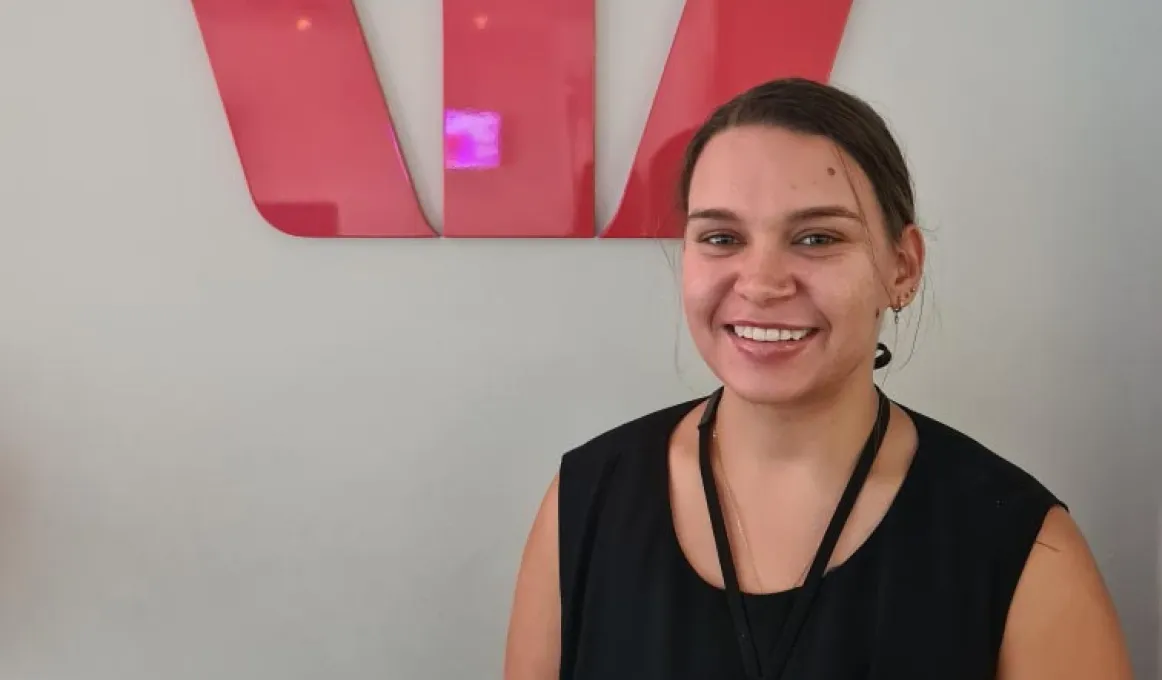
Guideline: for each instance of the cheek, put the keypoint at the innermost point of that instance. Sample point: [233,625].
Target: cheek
[702,289]
[847,295]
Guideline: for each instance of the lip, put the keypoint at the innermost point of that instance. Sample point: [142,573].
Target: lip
[767,324]
[770,352]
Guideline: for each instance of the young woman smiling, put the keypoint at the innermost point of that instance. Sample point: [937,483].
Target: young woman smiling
[797,523]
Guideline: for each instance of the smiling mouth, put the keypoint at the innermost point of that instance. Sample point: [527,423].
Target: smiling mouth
[758,334]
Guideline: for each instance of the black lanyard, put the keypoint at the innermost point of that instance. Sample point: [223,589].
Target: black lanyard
[804,597]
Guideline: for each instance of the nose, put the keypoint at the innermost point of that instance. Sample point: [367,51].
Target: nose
[765,275]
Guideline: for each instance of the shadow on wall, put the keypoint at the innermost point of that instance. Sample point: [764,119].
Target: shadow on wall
[1126,533]
[1129,550]
[1107,422]
[11,519]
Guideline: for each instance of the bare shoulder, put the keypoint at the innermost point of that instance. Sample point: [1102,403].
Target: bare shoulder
[1062,624]
[532,651]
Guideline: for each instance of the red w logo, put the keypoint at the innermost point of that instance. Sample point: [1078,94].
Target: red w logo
[318,147]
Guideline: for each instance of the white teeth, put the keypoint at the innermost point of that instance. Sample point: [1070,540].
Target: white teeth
[770,334]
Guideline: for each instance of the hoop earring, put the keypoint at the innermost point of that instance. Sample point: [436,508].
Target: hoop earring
[899,306]
[883,356]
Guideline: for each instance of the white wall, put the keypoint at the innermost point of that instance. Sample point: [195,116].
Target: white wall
[228,453]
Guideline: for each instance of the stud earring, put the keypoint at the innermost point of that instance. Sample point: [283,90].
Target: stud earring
[899,306]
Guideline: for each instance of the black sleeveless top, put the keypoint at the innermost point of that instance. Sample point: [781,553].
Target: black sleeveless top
[925,596]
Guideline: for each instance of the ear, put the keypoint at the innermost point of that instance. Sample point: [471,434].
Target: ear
[910,253]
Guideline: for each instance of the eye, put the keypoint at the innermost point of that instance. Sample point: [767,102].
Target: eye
[720,239]
[816,240]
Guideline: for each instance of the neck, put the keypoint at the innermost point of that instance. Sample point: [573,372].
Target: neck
[822,435]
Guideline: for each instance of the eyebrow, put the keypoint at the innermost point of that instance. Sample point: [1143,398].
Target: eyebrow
[801,215]
[716,214]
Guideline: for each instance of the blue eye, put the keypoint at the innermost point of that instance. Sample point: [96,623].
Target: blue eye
[720,240]
[817,240]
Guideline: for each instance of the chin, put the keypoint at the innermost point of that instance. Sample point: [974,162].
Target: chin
[769,390]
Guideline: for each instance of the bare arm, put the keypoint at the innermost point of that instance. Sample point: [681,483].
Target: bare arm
[1062,624]
[533,651]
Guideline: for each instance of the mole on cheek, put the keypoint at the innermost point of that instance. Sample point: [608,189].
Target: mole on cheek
[831,171]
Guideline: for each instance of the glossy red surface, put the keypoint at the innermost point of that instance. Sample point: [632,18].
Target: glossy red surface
[722,47]
[309,118]
[530,64]
[319,151]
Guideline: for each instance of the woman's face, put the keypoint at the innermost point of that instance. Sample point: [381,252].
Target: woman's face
[787,266]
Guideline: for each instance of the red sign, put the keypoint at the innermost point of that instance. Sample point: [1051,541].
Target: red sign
[318,147]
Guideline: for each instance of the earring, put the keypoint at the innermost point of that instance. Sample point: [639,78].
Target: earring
[899,306]
[883,356]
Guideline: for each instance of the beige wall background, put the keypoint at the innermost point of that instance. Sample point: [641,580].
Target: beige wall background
[226,453]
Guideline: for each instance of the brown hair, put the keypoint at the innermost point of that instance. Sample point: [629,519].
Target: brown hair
[812,108]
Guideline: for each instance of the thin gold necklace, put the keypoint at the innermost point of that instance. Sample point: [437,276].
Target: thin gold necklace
[741,529]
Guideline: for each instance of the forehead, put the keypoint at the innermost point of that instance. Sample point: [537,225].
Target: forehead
[764,171]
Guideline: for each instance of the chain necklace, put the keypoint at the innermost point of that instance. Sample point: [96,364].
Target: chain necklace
[741,529]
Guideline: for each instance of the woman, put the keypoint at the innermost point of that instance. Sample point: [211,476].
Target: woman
[798,524]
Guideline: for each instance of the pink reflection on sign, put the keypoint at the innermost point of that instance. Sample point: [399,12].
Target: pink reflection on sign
[471,139]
